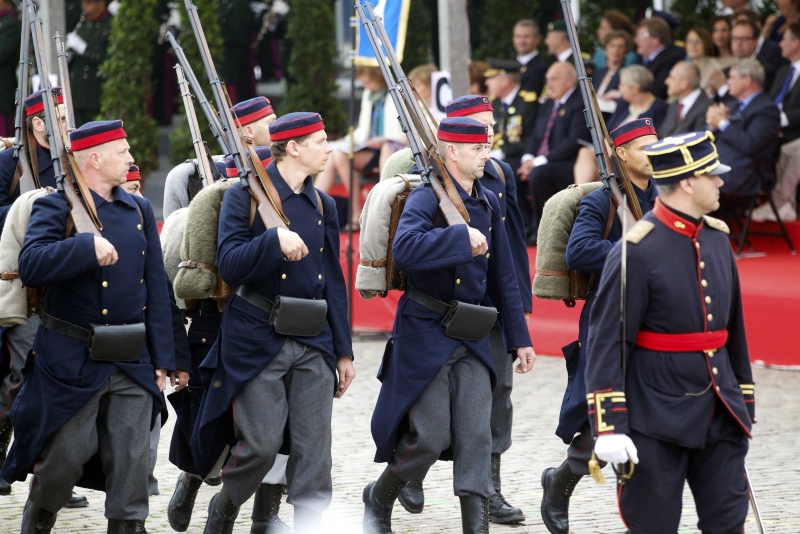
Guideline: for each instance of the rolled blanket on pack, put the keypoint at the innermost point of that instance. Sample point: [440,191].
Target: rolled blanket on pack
[401,162]
[13,296]
[197,272]
[552,274]
[171,241]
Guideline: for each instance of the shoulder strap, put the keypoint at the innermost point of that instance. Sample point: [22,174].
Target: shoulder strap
[33,156]
[499,170]
[15,181]
[612,213]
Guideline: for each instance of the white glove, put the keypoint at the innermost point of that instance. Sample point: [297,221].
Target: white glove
[76,43]
[174,20]
[113,7]
[615,449]
[258,7]
[279,7]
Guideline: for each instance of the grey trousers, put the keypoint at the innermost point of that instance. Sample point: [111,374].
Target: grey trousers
[116,423]
[155,434]
[580,450]
[454,412]
[502,411]
[296,386]
[20,341]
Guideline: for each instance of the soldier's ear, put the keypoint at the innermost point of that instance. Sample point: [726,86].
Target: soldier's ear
[622,153]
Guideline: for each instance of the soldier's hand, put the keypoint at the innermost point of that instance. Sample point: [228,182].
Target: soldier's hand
[477,241]
[292,245]
[616,449]
[179,379]
[161,379]
[526,357]
[525,169]
[76,43]
[105,251]
[347,372]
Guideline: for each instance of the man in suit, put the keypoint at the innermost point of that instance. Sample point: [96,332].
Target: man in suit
[747,132]
[557,41]
[687,113]
[786,95]
[526,39]
[745,45]
[515,112]
[552,149]
[653,43]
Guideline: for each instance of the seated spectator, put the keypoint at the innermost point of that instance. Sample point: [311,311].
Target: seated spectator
[687,112]
[557,41]
[785,93]
[776,25]
[637,99]
[607,89]
[551,151]
[420,78]
[477,81]
[747,131]
[700,50]
[376,137]
[654,44]
[747,42]
[613,21]
[721,28]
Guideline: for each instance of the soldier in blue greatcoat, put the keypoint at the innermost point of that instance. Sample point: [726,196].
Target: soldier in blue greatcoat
[424,368]
[684,408]
[589,242]
[257,379]
[82,419]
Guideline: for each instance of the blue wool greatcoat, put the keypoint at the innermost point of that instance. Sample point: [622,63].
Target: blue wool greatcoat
[252,256]
[438,259]
[8,166]
[59,375]
[586,252]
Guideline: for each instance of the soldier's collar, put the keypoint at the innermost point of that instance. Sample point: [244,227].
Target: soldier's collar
[283,189]
[676,221]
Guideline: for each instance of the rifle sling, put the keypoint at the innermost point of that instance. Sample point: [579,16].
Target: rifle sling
[33,157]
[266,183]
[84,191]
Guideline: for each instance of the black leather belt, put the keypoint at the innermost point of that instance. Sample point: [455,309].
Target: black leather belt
[420,297]
[65,328]
[255,298]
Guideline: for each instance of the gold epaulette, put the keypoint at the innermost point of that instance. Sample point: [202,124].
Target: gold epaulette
[638,231]
[528,96]
[717,224]
[598,406]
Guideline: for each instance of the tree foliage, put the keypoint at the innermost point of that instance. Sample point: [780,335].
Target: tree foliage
[693,13]
[126,72]
[311,84]
[498,19]
[417,50]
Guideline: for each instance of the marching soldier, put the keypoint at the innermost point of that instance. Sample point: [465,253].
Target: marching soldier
[589,242]
[103,350]
[688,375]
[428,366]
[284,337]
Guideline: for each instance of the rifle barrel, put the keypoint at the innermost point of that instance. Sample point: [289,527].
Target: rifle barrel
[66,87]
[27,181]
[203,166]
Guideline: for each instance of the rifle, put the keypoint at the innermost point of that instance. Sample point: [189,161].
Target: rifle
[64,167]
[421,138]
[268,203]
[24,175]
[208,110]
[200,146]
[66,88]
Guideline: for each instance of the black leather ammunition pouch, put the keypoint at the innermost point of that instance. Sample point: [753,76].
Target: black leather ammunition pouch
[290,316]
[116,342]
[461,320]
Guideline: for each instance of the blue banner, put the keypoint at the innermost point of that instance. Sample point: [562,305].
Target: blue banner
[395,20]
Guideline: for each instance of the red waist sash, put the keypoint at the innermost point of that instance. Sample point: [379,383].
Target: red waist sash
[691,342]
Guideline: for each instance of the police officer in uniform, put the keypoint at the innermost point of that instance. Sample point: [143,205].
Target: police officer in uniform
[107,386]
[589,242]
[253,365]
[424,368]
[88,44]
[688,375]
[497,178]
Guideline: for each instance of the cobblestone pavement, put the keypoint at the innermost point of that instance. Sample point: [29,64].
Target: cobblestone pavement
[772,462]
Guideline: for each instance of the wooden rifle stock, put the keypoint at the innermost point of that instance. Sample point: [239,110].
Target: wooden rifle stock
[421,138]
[28,181]
[267,200]
[64,167]
[200,148]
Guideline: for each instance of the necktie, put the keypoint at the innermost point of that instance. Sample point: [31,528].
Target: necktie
[785,87]
[376,126]
[544,146]
[680,112]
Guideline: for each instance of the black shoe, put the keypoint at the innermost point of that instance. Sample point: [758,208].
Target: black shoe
[121,526]
[474,514]
[222,514]
[557,485]
[213,481]
[77,501]
[266,506]
[36,520]
[500,511]
[179,510]
[413,497]
[379,497]
[5,487]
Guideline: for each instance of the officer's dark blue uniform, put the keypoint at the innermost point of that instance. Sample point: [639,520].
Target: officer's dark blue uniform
[687,402]
[60,378]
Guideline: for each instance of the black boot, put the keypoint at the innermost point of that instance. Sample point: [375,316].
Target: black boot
[36,520]
[379,497]
[412,497]
[5,438]
[266,505]
[77,501]
[557,485]
[179,510]
[306,520]
[121,526]
[222,514]
[499,509]
[474,514]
